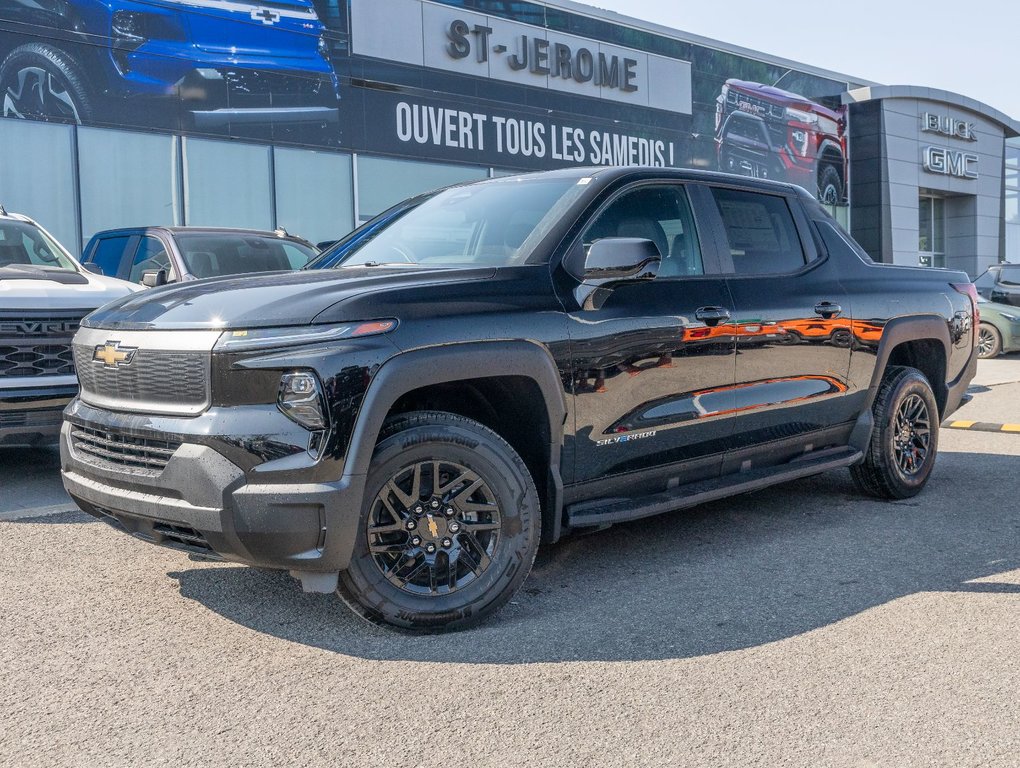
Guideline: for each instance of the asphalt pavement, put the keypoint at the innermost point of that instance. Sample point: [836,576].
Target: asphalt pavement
[800,625]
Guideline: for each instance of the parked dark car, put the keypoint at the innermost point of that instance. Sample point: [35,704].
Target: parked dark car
[505,363]
[1000,283]
[238,67]
[153,256]
[1000,328]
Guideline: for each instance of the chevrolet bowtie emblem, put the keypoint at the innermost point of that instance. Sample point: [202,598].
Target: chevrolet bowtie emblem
[433,528]
[112,355]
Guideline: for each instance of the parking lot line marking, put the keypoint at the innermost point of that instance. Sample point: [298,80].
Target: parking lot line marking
[11,515]
[981,426]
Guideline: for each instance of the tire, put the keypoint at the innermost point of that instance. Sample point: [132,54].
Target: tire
[487,538]
[890,471]
[830,185]
[989,341]
[39,82]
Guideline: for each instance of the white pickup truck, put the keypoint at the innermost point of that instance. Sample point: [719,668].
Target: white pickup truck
[44,294]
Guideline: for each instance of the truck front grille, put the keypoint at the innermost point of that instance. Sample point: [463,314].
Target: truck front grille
[31,419]
[251,88]
[37,344]
[36,360]
[154,380]
[114,450]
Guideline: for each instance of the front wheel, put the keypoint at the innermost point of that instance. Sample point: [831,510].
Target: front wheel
[39,82]
[989,341]
[449,527]
[830,186]
[904,442]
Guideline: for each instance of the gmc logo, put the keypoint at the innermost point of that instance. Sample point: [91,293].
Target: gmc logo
[38,327]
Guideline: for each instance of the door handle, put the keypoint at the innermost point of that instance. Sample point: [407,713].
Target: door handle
[827,309]
[712,316]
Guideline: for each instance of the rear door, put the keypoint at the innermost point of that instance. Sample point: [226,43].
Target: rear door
[793,330]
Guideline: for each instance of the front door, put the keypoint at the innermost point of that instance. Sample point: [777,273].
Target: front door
[654,363]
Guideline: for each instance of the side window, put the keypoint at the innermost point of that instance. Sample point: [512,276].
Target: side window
[1010,276]
[660,213]
[108,254]
[761,231]
[151,254]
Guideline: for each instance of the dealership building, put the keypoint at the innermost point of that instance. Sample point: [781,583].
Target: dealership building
[315,116]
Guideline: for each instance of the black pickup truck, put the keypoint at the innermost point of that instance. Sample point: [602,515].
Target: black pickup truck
[504,363]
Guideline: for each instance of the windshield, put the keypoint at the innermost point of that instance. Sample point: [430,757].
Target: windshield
[492,223]
[22,243]
[213,254]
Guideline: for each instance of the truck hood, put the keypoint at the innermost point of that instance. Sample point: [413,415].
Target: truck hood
[23,288]
[781,97]
[270,299]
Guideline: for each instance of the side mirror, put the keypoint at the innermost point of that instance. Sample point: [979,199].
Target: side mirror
[153,278]
[614,260]
[94,268]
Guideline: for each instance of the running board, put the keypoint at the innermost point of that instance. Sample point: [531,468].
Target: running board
[618,510]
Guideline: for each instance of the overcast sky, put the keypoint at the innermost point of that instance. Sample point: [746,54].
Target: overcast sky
[970,47]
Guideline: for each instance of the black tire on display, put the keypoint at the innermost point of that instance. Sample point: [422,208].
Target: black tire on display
[830,185]
[449,527]
[904,443]
[39,82]
[989,341]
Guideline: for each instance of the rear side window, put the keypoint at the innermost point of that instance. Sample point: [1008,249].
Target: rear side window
[762,235]
[108,254]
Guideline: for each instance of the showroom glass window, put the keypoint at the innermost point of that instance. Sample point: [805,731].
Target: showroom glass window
[931,240]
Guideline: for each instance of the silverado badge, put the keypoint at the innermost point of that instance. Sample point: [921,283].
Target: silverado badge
[113,355]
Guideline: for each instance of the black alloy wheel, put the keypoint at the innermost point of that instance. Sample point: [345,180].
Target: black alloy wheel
[449,529]
[904,441]
[433,528]
[913,434]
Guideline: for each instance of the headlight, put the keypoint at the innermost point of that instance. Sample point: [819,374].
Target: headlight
[129,27]
[301,400]
[259,338]
[801,116]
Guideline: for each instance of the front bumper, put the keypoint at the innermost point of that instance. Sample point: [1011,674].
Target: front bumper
[32,416]
[204,503]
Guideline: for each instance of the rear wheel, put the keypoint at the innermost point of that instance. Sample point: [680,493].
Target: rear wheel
[449,528]
[989,341]
[904,442]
